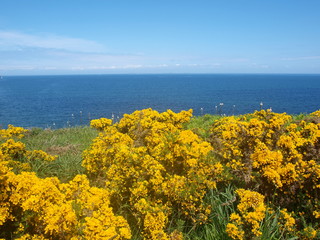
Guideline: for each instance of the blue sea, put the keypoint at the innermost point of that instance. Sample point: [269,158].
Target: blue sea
[62,101]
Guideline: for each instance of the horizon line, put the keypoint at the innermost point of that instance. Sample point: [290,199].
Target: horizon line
[88,74]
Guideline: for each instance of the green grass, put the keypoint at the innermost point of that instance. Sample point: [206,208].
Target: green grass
[222,205]
[201,125]
[67,143]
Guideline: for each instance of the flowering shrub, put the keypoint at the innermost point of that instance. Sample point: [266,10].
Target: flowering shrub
[269,153]
[35,208]
[148,174]
[149,163]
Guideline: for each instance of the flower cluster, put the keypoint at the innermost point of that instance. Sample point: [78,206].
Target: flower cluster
[251,210]
[287,221]
[15,152]
[11,132]
[148,162]
[101,123]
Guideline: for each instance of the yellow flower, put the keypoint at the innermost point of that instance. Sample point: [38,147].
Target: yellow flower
[12,132]
[316,214]
[100,124]
[252,212]
[288,222]
[234,232]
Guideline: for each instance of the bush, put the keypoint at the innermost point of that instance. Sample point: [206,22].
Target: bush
[159,176]
[267,153]
[155,168]
[36,208]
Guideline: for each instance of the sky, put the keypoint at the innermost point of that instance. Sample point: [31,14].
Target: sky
[159,36]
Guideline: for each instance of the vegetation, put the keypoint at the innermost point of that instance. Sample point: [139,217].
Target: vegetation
[164,176]
[66,143]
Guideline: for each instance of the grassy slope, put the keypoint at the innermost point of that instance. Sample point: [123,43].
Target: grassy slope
[67,143]
[201,125]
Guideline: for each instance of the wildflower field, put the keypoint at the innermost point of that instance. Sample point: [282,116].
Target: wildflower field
[164,176]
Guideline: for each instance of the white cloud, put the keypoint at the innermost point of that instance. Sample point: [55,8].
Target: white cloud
[301,58]
[32,53]
[115,67]
[27,52]
[10,40]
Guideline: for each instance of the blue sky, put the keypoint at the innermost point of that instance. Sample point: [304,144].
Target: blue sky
[153,36]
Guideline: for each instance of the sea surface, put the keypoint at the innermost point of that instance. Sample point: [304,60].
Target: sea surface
[69,100]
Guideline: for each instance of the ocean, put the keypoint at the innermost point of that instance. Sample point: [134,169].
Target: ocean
[69,100]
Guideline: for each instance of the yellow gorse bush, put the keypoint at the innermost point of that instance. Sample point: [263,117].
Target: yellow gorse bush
[35,208]
[149,163]
[148,174]
[273,155]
